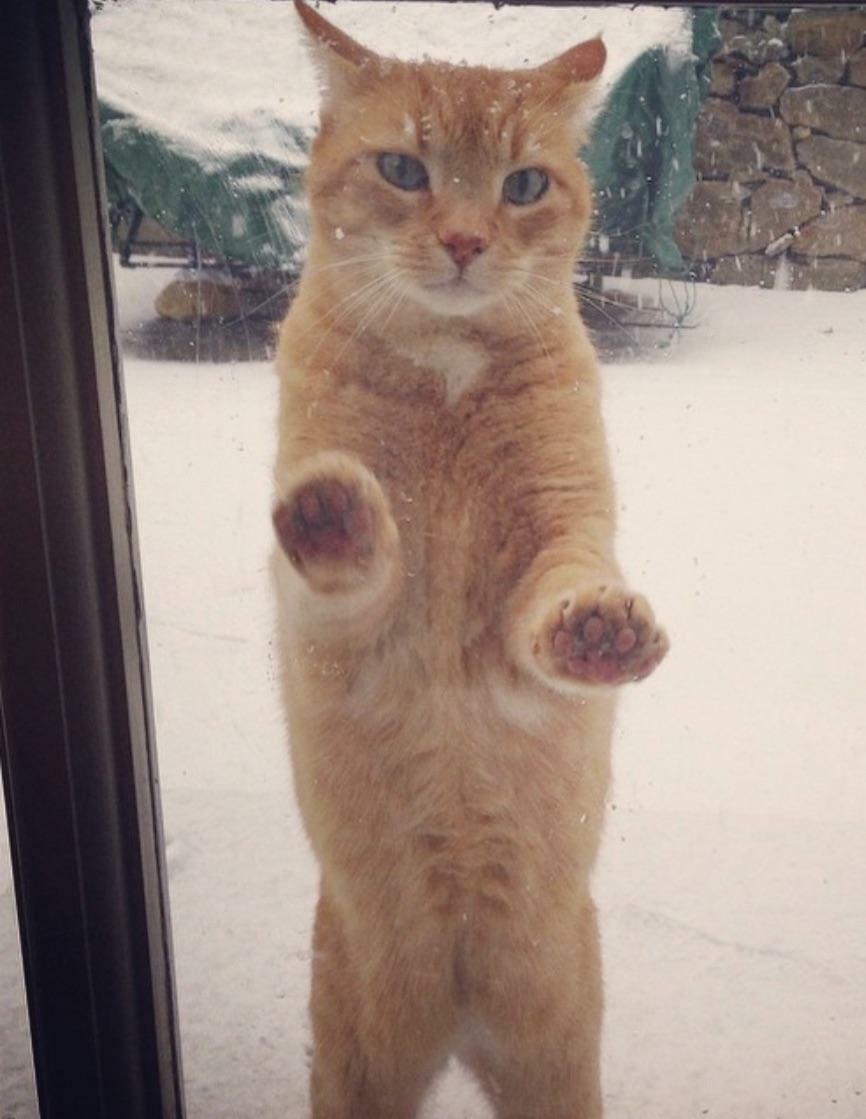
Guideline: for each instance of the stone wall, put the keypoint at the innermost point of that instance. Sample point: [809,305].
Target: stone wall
[780,153]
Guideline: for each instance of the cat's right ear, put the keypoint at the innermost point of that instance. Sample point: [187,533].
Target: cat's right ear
[342,65]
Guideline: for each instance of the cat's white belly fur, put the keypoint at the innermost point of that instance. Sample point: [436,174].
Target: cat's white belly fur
[494,697]
[520,706]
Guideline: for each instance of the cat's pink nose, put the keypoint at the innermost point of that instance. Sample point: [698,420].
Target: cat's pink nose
[463,247]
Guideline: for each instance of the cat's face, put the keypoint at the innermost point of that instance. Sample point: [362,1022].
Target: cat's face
[457,187]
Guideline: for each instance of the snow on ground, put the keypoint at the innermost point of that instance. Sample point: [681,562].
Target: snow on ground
[732,884]
[733,879]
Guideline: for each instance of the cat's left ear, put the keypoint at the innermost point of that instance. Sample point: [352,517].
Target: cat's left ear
[575,72]
[579,64]
[341,63]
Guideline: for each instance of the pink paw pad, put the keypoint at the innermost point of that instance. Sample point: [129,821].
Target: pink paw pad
[609,639]
[325,520]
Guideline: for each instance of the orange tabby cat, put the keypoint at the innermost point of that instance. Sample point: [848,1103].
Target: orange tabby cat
[452,614]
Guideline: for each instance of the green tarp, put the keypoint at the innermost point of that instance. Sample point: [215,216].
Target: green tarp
[640,155]
[248,209]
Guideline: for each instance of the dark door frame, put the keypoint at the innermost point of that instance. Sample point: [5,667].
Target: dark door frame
[76,738]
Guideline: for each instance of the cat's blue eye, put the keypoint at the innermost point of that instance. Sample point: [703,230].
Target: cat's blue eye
[525,186]
[403,171]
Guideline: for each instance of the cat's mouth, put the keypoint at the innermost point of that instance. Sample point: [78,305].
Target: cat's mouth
[453,283]
[458,284]
[455,295]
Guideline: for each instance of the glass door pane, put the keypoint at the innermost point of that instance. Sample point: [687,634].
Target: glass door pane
[730,328]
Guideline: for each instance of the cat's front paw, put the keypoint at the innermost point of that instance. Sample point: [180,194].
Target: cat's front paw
[602,635]
[334,525]
[325,519]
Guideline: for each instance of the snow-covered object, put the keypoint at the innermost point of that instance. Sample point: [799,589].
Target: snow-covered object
[208,107]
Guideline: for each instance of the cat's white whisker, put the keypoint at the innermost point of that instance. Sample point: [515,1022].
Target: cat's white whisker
[284,289]
[516,270]
[597,297]
[599,307]
[398,303]
[527,318]
[378,300]
[541,299]
[344,308]
[594,298]
[371,258]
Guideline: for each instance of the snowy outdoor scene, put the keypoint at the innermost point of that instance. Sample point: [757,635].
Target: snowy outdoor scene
[732,880]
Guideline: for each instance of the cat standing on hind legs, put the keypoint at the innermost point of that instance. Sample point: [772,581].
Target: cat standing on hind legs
[453,621]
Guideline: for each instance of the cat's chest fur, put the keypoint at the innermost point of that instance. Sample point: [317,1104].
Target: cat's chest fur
[458,363]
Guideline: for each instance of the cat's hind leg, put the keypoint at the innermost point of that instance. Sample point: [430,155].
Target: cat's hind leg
[377,1045]
[539,1054]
